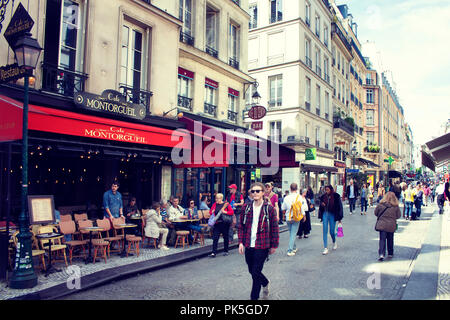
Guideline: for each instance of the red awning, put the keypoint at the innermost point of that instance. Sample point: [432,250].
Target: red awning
[81,125]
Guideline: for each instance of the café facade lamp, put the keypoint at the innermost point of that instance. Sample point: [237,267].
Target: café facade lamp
[26,51]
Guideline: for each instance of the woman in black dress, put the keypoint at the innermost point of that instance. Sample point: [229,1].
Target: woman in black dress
[304,227]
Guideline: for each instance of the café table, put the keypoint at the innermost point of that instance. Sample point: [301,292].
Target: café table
[124,226]
[90,259]
[50,236]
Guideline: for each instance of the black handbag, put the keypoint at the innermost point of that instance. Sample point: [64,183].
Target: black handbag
[227,218]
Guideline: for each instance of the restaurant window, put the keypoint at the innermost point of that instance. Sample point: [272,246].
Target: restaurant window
[179,183]
[192,185]
[275,91]
[205,184]
[63,47]
[276,10]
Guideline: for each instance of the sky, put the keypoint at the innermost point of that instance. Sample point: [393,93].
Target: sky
[411,39]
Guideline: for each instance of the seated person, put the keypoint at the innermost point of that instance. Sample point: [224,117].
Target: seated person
[176,212]
[192,213]
[154,227]
[204,203]
[132,210]
[165,205]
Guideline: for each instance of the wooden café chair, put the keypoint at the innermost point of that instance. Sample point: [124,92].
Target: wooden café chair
[36,252]
[57,246]
[106,225]
[69,228]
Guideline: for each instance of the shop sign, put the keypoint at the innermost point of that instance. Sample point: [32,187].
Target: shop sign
[111,102]
[338,164]
[12,72]
[257,112]
[352,170]
[310,154]
[20,23]
[257,125]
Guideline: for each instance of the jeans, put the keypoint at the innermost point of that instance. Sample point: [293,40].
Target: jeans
[409,208]
[389,238]
[352,202]
[418,206]
[220,228]
[255,259]
[328,219]
[363,205]
[293,228]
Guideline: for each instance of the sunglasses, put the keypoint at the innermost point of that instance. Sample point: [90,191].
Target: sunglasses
[255,191]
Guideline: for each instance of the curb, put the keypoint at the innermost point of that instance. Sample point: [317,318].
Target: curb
[101,277]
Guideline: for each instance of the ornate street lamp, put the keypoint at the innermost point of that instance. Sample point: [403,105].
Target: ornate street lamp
[26,51]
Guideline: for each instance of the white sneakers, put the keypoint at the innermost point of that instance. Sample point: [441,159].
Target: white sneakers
[266,290]
[325,251]
[291,253]
[164,248]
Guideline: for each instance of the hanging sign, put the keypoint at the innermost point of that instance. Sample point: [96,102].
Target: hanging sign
[13,72]
[310,154]
[20,23]
[257,112]
[257,125]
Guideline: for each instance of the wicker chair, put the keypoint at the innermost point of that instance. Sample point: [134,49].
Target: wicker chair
[69,228]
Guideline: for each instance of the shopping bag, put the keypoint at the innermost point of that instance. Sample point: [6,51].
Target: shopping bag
[340,231]
[212,220]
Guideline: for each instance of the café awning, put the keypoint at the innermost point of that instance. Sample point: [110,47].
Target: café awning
[436,151]
[81,125]
[317,168]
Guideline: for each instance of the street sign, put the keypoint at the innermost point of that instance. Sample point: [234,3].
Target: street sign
[257,112]
[310,154]
[20,23]
[257,125]
[12,72]
[352,170]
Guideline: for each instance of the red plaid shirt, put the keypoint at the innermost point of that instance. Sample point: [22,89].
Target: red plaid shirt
[265,238]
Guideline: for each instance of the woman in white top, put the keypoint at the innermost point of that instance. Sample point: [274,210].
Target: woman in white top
[153,225]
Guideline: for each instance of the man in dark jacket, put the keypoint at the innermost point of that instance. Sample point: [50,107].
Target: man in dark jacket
[258,237]
[352,195]
[236,200]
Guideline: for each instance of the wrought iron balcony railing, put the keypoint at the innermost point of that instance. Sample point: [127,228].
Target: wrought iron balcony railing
[318,111]
[308,106]
[339,123]
[318,71]
[308,62]
[211,51]
[185,102]
[232,116]
[62,81]
[187,38]
[210,109]
[136,95]
[234,63]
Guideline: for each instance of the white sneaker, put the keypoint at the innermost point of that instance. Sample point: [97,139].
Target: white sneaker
[295,251]
[325,251]
[291,253]
[164,248]
[335,246]
[266,290]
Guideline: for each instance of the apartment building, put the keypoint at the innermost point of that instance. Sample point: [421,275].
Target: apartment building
[290,57]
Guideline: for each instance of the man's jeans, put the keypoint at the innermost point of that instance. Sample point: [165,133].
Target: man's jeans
[293,228]
[328,219]
[352,202]
[389,238]
[255,259]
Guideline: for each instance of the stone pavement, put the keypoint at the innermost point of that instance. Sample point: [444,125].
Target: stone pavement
[443,290]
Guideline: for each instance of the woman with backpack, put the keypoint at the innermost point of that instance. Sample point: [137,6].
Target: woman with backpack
[330,211]
[387,213]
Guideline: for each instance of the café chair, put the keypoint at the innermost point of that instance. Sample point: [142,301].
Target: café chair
[57,246]
[102,246]
[86,224]
[116,221]
[182,238]
[154,240]
[106,225]
[69,228]
[66,217]
[133,244]
[36,252]
[80,216]
[200,237]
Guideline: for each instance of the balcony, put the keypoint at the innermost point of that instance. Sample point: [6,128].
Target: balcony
[308,22]
[308,62]
[318,111]
[319,71]
[339,123]
[185,102]
[186,38]
[326,77]
[317,143]
[276,17]
[372,148]
[234,63]
[274,103]
[327,146]
[210,109]
[61,81]
[211,51]
[327,116]
[370,82]
[136,95]
[232,116]
[307,140]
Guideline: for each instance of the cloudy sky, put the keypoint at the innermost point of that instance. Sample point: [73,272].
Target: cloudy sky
[411,39]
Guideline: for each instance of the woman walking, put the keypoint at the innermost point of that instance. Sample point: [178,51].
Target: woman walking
[305,226]
[222,226]
[330,211]
[387,213]
[364,198]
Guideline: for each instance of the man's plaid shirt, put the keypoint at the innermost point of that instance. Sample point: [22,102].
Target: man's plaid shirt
[265,238]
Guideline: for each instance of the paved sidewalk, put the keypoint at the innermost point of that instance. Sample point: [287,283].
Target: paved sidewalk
[443,290]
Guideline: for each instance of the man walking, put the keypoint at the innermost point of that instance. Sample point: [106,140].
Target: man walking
[112,202]
[294,198]
[258,237]
[352,193]
[236,201]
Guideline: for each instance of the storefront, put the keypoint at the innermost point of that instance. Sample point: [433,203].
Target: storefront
[75,156]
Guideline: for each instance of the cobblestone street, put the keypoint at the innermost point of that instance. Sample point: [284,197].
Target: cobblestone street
[342,274]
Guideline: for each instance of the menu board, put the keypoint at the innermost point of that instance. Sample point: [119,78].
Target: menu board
[42,209]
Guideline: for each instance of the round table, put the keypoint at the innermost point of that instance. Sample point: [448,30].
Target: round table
[89,259]
[50,236]
[123,226]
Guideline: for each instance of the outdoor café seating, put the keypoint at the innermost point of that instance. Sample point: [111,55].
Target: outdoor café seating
[102,246]
[57,246]
[182,238]
[105,224]
[69,228]
[86,224]
[36,252]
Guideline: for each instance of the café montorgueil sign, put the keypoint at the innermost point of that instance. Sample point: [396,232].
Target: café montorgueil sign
[257,112]
[20,23]
[111,102]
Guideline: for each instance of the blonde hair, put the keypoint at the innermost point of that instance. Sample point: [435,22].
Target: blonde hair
[390,198]
[220,195]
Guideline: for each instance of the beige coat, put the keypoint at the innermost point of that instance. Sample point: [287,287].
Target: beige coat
[388,220]
[152,224]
